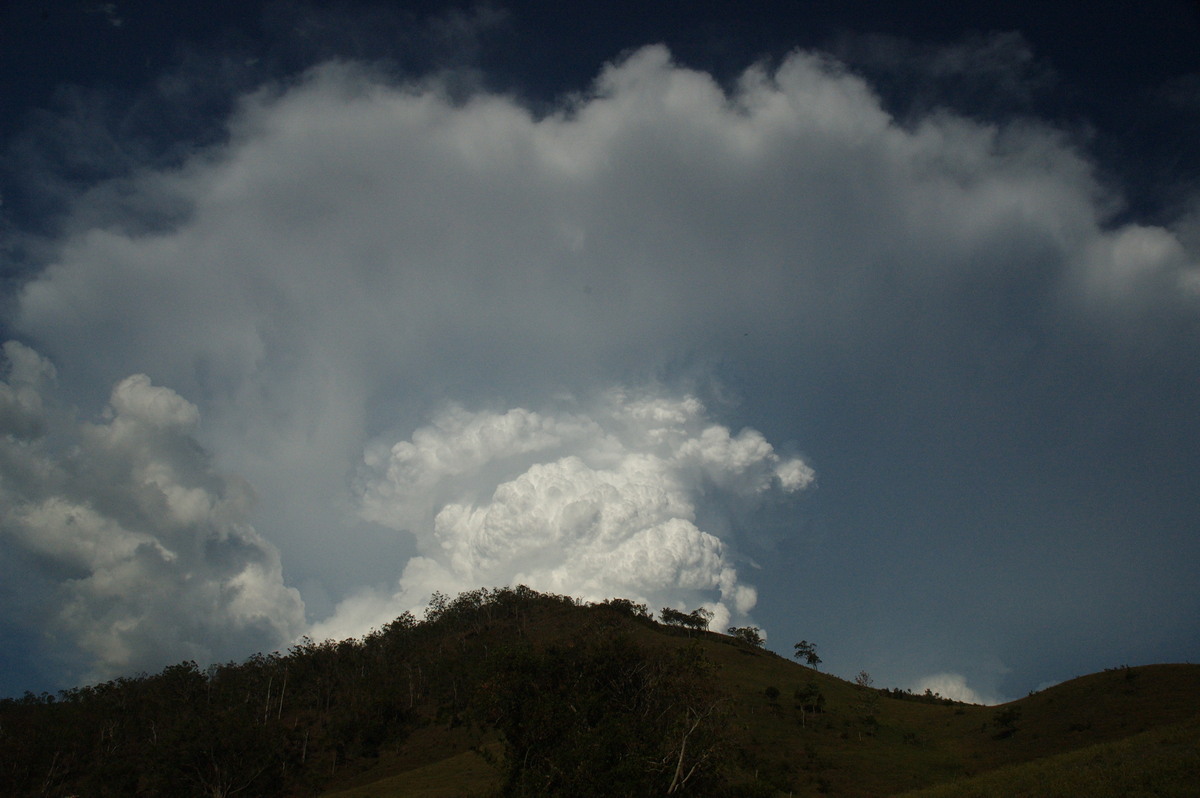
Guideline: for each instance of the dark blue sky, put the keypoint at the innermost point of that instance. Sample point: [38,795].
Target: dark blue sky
[427,296]
[1122,73]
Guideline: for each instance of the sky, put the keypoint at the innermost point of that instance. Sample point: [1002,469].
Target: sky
[875,325]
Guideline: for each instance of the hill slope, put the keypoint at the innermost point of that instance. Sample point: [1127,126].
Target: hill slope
[814,733]
[514,692]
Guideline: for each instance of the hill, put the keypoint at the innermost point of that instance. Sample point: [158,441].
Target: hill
[514,692]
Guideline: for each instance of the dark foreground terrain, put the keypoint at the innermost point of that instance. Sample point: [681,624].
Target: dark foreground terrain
[512,692]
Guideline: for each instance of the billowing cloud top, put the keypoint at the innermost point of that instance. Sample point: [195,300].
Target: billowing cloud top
[597,503]
[352,230]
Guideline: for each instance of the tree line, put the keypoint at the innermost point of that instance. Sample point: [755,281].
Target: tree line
[567,706]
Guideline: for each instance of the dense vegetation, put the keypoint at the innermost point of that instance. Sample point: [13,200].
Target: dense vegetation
[286,724]
[517,693]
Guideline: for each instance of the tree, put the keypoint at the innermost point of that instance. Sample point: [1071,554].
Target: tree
[605,716]
[749,634]
[869,706]
[701,618]
[807,652]
[696,619]
[673,617]
[627,607]
[809,700]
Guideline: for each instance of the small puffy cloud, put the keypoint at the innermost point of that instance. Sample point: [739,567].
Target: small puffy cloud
[139,550]
[596,503]
[1132,268]
[138,403]
[746,458]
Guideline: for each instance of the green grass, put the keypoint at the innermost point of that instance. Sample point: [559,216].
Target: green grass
[1162,763]
[1124,732]
[463,775]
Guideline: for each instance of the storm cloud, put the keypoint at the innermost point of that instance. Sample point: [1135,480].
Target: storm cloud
[391,267]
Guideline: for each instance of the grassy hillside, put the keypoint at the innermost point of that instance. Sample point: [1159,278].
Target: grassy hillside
[1140,721]
[1162,763]
[518,693]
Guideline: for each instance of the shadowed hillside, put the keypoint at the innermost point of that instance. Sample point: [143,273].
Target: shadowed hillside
[514,692]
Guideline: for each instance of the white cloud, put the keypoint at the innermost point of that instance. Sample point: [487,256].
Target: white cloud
[1129,270]
[141,548]
[596,503]
[954,686]
[354,238]
[353,233]
[357,253]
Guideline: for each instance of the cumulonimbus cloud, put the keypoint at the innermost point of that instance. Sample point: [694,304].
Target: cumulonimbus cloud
[358,251]
[596,502]
[140,550]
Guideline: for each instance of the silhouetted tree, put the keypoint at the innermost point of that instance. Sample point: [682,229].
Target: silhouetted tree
[748,634]
[807,653]
[869,704]
[627,607]
[696,620]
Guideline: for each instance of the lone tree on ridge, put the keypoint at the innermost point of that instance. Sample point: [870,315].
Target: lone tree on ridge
[806,652]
